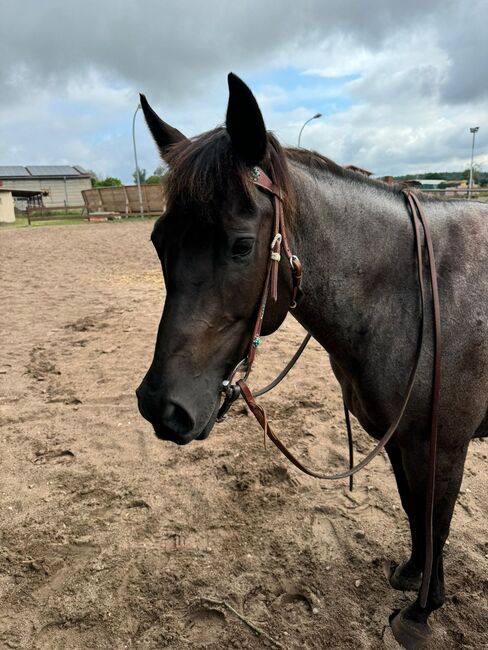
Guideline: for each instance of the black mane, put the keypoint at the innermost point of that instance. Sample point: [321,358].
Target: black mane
[200,172]
[316,161]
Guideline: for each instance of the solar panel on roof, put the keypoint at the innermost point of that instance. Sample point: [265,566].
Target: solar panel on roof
[8,171]
[52,170]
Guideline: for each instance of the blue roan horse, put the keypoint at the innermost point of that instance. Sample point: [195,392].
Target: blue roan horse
[360,300]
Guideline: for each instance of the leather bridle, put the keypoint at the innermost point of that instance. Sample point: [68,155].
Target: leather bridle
[233,391]
[279,240]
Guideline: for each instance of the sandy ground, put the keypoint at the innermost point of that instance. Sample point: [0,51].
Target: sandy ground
[112,539]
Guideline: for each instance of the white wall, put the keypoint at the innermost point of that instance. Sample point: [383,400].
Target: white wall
[7,212]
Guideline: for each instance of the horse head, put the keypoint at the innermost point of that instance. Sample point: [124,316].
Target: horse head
[213,243]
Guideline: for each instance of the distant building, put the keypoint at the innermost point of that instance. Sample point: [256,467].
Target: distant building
[7,212]
[461,183]
[27,198]
[60,185]
[428,183]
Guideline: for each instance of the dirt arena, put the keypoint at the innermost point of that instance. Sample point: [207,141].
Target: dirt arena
[112,539]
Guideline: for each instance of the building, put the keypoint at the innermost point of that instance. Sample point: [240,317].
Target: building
[428,183]
[60,185]
[27,198]
[7,212]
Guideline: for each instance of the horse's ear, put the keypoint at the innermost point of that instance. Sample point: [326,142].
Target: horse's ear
[164,135]
[245,123]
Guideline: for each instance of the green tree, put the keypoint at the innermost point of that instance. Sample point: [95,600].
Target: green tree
[476,174]
[479,175]
[93,177]
[153,180]
[142,175]
[160,170]
[109,181]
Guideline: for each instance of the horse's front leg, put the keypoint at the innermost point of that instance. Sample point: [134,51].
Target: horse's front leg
[408,575]
[410,625]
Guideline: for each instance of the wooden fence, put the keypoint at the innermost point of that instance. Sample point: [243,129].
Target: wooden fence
[52,214]
[124,200]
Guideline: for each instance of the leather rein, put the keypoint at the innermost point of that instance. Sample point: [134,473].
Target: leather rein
[233,391]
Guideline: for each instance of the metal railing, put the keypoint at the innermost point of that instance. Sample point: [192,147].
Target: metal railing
[459,192]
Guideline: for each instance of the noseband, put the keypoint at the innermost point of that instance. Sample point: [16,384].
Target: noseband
[233,391]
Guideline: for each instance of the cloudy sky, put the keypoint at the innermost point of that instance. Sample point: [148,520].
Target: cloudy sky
[398,84]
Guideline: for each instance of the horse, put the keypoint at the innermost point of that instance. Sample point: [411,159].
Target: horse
[359,299]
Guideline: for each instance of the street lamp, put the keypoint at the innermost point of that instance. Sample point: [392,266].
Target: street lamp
[315,117]
[141,206]
[474,130]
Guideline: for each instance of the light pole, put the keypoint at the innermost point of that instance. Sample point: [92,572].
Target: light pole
[141,206]
[474,130]
[315,117]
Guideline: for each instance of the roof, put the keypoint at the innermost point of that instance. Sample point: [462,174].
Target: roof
[23,194]
[7,171]
[42,171]
[429,181]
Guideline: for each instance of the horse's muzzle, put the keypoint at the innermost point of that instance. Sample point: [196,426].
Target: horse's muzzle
[162,433]
[170,420]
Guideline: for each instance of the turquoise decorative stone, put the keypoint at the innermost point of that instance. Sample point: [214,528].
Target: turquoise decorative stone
[256,342]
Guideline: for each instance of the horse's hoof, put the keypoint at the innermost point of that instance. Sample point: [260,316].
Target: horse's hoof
[398,580]
[409,634]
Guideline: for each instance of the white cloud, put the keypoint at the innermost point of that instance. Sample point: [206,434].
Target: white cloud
[70,76]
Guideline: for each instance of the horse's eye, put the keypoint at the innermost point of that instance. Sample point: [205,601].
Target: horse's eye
[242,246]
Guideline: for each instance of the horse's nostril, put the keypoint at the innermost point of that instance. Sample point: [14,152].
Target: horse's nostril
[176,418]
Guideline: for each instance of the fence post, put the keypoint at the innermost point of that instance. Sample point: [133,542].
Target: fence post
[126,202]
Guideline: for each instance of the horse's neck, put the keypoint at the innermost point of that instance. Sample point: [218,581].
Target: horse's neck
[355,243]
